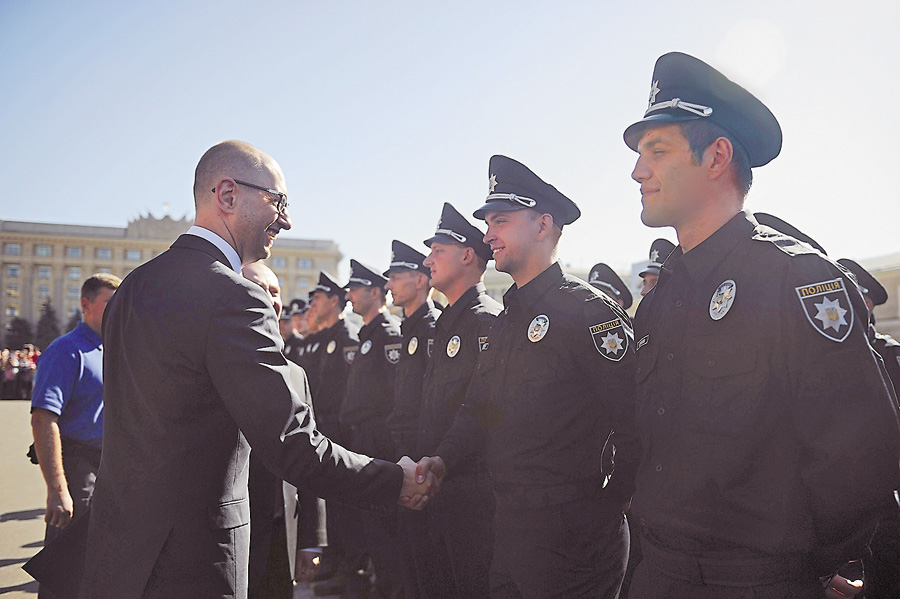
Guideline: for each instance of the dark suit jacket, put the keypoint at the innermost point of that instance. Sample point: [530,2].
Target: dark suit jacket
[194,371]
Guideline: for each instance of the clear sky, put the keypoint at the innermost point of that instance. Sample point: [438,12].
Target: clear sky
[381,111]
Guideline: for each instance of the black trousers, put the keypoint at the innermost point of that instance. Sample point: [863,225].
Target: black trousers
[80,466]
[577,549]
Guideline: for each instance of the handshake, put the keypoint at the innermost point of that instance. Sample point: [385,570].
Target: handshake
[420,481]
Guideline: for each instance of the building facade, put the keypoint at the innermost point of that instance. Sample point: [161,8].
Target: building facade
[47,262]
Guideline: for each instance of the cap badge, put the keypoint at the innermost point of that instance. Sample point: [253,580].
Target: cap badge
[453,346]
[332,345]
[366,346]
[413,346]
[722,300]
[492,183]
[653,91]
[538,328]
[824,305]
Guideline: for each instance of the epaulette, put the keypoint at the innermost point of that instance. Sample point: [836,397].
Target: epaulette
[786,244]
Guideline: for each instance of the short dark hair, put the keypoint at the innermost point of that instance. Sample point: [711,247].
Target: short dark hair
[101,280]
[701,134]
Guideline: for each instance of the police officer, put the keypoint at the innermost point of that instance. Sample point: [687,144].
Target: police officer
[605,279]
[460,519]
[553,378]
[409,282]
[659,251]
[770,440]
[368,400]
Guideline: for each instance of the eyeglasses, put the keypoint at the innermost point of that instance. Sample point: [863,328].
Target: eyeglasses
[282,203]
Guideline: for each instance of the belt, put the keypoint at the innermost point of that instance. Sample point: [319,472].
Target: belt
[515,497]
[728,571]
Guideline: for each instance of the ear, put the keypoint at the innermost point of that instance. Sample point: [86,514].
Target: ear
[717,158]
[225,195]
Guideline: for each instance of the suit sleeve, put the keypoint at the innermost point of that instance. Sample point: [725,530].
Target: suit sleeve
[250,373]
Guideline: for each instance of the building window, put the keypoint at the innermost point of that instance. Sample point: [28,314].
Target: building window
[104,253]
[74,273]
[133,255]
[74,292]
[278,262]
[12,311]
[43,291]
[12,249]
[12,289]
[12,270]
[43,251]
[303,285]
[43,272]
[304,263]
[74,251]
[104,270]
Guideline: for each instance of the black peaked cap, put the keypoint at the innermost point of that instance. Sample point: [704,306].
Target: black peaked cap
[685,88]
[454,228]
[513,186]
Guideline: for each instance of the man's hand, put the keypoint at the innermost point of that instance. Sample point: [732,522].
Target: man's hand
[417,488]
[841,588]
[307,565]
[59,508]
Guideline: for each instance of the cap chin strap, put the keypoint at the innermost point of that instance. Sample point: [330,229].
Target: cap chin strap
[366,282]
[453,234]
[527,202]
[680,104]
[409,265]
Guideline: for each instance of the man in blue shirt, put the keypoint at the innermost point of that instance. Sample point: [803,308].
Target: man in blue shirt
[67,409]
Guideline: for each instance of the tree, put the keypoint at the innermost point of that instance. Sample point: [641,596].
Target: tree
[47,327]
[18,333]
[73,321]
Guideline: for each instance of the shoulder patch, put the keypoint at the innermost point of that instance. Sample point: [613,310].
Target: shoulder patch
[392,352]
[827,308]
[350,353]
[610,339]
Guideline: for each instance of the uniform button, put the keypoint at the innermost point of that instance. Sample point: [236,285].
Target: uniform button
[678,304]
[670,357]
[661,411]
[659,467]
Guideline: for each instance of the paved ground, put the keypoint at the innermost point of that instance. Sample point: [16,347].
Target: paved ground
[22,501]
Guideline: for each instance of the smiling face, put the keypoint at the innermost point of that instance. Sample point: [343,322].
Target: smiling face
[672,181]
[512,234]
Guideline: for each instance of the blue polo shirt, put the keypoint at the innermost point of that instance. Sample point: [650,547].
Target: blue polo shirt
[69,383]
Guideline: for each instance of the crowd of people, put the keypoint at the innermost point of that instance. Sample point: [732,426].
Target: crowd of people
[17,368]
[742,420]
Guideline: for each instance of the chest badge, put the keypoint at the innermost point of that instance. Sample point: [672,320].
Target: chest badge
[827,306]
[366,346]
[332,345]
[453,346]
[413,346]
[538,328]
[722,300]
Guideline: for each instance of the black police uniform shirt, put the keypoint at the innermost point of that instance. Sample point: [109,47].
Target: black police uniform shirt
[762,411]
[553,379]
[329,356]
[460,333]
[418,338]
[369,396]
[292,347]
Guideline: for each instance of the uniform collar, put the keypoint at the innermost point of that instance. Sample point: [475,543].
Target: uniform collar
[528,295]
[701,260]
[451,313]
